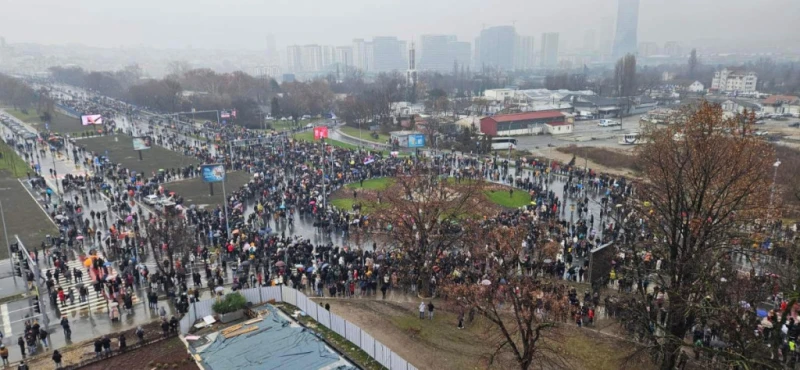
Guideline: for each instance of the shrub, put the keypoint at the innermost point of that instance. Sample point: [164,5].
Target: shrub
[230,303]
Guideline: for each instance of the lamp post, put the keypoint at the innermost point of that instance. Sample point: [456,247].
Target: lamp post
[772,188]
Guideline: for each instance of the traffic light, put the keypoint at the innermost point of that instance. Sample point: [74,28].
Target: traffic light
[17,269]
[36,306]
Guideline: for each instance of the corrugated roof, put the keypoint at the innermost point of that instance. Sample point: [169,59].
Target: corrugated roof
[526,116]
[775,99]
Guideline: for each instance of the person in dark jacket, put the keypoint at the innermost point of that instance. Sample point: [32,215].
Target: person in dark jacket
[123,343]
[21,343]
[57,359]
[67,330]
[98,347]
[106,346]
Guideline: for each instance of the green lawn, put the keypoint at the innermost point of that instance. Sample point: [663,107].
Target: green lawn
[60,123]
[346,203]
[30,117]
[364,134]
[501,197]
[12,162]
[309,136]
[373,184]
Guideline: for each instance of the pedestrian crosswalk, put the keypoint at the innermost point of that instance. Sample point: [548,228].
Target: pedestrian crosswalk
[94,302]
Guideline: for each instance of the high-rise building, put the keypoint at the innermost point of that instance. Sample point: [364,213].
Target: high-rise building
[294,58]
[434,53]
[369,57]
[524,53]
[549,57]
[734,80]
[312,58]
[440,52]
[627,25]
[673,49]
[359,54]
[344,55]
[328,56]
[497,47]
[648,49]
[386,54]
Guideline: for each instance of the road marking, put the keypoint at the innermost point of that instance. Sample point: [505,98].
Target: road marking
[6,320]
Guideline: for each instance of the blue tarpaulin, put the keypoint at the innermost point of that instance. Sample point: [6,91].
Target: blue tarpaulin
[276,344]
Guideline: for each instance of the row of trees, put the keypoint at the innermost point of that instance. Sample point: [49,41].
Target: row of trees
[208,90]
[16,92]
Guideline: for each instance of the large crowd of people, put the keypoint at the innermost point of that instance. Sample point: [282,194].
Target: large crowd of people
[251,235]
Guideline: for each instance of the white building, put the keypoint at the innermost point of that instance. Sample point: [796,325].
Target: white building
[498,94]
[558,128]
[696,87]
[734,80]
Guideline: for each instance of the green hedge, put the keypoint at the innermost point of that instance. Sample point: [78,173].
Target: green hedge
[230,303]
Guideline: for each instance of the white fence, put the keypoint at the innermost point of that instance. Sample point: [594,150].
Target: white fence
[352,332]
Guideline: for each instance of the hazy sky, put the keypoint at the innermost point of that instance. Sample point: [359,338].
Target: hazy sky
[245,23]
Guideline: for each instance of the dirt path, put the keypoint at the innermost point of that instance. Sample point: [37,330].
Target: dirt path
[439,345]
[426,344]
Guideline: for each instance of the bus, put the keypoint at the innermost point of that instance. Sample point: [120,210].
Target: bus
[502,142]
[632,138]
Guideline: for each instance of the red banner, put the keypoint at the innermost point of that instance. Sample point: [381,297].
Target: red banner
[320,132]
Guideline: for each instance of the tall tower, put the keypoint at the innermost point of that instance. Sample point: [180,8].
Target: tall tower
[411,74]
[625,41]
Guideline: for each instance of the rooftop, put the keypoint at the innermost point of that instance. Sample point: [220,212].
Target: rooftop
[777,99]
[526,116]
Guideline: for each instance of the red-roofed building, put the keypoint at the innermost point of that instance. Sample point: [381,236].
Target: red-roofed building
[782,104]
[527,123]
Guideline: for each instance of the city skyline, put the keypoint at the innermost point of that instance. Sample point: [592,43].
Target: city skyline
[246,25]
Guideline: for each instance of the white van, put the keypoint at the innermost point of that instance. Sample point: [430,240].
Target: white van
[609,123]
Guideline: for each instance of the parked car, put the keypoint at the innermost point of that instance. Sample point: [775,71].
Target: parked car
[609,123]
[151,199]
[795,124]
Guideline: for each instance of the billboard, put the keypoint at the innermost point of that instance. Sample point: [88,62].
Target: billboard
[416,141]
[320,132]
[142,143]
[213,172]
[91,119]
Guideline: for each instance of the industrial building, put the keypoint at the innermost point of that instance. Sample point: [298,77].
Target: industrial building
[528,123]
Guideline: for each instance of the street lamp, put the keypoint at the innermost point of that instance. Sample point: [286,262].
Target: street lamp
[772,189]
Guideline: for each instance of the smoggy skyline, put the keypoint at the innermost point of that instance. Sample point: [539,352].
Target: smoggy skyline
[244,24]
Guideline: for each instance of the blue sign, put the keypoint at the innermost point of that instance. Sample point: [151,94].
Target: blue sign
[213,172]
[416,141]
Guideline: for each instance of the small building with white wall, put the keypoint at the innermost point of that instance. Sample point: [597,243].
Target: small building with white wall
[696,87]
[559,128]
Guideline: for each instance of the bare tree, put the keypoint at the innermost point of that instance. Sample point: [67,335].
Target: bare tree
[521,307]
[703,188]
[424,216]
[170,237]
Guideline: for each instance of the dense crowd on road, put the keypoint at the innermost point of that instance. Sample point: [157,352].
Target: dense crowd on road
[251,234]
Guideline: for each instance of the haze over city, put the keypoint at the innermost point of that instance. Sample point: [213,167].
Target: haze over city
[243,24]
